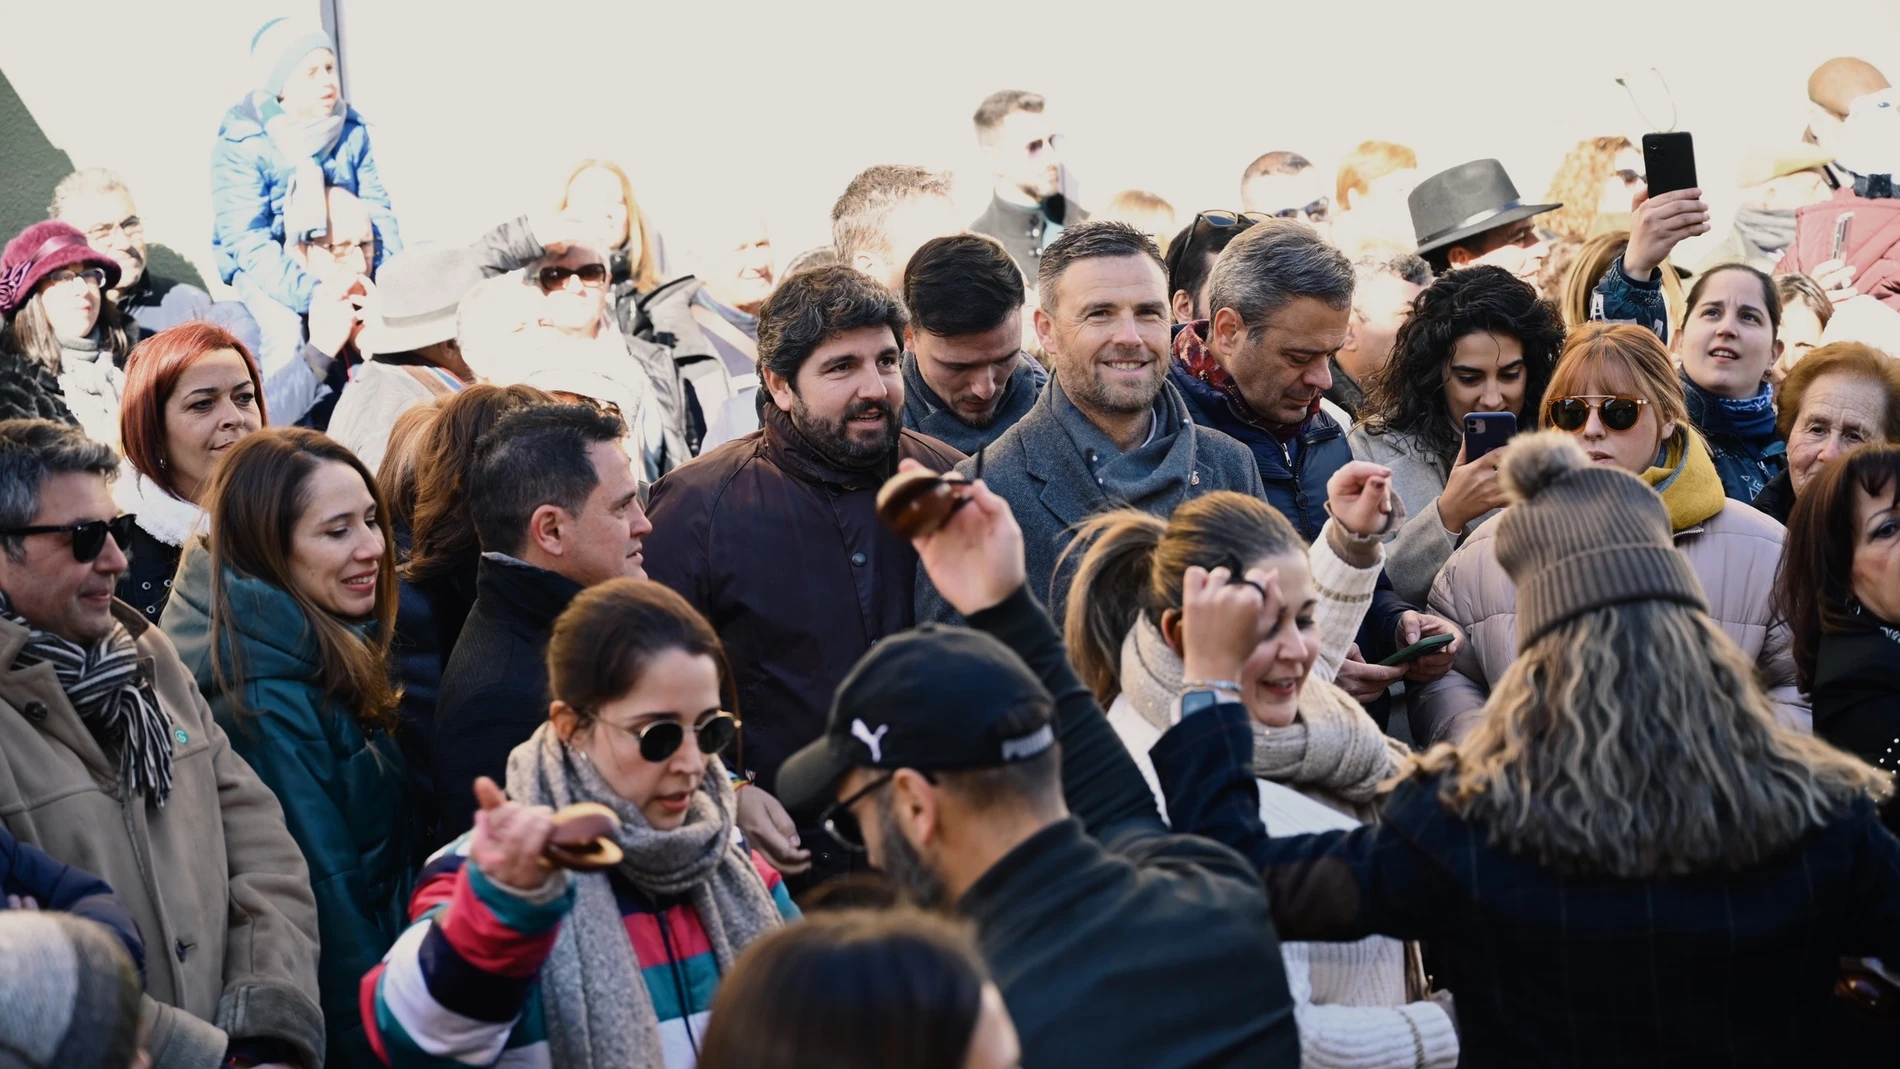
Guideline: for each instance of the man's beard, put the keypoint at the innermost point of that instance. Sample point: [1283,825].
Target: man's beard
[981,422]
[1087,385]
[833,438]
[903,866]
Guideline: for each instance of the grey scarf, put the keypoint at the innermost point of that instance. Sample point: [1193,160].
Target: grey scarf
[1764,233]
[304,142]
[113,699]
[1153,477]
[1332,752]
[599,1012]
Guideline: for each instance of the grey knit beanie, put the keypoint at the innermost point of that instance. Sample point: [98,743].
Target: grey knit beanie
[68,996]
[1579,536]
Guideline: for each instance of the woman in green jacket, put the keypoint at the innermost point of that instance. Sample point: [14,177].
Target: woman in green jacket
[295,581]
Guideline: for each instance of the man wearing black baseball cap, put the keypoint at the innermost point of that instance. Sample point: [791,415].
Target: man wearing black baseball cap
[980,775]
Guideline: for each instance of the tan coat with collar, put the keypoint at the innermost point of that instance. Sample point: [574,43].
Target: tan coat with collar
[218,888]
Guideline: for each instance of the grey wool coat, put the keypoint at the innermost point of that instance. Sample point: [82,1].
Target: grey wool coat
[1056,469]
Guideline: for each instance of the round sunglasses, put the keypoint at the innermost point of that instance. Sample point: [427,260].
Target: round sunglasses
[663,738]
[89,538]
[1619,413]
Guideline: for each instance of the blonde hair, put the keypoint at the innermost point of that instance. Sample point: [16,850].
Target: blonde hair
[1370,161]
[1592,262]
[1147,212]
[646,272]
[1578,186]
[1594,767]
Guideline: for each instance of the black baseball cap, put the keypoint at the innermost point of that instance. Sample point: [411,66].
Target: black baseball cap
[935,699]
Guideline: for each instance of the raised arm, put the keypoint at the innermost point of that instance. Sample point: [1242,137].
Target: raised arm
[976,564]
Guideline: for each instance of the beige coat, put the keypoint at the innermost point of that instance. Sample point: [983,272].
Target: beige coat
[214,880]
[1735,553]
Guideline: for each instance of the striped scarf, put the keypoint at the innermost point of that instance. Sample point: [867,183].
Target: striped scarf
[112,697]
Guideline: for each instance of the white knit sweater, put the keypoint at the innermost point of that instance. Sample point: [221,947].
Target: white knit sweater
[1349,998]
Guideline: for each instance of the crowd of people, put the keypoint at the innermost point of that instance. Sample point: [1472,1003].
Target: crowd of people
[1389,624]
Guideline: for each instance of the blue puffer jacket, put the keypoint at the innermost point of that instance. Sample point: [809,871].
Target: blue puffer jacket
[249,178]
[344,788]
[1298,491]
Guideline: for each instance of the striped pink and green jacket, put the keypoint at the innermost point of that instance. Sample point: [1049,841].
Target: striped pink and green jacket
[459,987]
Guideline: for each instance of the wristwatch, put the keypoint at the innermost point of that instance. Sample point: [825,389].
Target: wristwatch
[1198,695]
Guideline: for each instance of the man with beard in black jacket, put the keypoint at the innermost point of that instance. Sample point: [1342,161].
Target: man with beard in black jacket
[980,775]
[774,536]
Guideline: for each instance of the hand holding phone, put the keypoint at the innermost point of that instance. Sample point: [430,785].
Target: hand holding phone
[1841,224]
[1418,649]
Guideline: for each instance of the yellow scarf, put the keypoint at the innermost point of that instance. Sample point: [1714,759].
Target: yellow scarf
[1687,480]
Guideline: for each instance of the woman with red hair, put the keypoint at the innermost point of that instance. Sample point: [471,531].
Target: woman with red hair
[191,393]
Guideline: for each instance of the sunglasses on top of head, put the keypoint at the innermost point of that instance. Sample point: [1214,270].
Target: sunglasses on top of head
[1619,413]
[89,538]
[553,278]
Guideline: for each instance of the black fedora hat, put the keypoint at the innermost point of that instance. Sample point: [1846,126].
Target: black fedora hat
[1471,198]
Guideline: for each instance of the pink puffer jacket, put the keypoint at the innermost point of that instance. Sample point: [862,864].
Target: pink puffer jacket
[1735,553]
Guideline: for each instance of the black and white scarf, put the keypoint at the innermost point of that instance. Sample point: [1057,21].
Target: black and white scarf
[112,697]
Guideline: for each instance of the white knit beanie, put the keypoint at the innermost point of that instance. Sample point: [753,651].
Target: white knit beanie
[278,46]
[68,996]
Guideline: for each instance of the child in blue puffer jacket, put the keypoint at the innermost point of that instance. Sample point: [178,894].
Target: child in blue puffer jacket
[277,152]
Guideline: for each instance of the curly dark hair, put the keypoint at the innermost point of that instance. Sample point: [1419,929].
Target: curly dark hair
[819,304]
[1407,396]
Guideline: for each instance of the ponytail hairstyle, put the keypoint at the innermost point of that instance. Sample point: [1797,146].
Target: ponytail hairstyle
[1133,563]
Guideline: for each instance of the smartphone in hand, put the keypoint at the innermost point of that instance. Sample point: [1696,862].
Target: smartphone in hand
[1669,162]
[1428,644]
[1841,223]
[1485,431]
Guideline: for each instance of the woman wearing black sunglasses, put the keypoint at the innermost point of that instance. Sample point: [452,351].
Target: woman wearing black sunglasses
[1617,392]
[641,693]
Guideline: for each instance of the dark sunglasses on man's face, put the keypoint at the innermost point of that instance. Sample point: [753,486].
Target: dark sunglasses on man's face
[553,278]
[1619,413]
[89,538]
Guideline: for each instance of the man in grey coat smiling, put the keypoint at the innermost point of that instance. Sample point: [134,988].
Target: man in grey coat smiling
[1109,430]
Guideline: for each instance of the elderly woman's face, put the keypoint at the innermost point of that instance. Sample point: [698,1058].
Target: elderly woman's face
[1837,413]
[1876,578]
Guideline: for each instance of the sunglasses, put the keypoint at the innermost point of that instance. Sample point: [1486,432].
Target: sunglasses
[553,278]
[1041,143]
[89,538]
[663,738]
[839,822]
[1316,211]
[1571,413]
[1209,222]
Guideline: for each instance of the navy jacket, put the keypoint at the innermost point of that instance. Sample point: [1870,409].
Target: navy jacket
[25,869]
[1718,969]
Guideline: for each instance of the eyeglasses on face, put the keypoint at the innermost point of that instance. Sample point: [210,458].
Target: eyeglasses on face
[89,538]
[92,276]
[553,278]
[842,824]
[1315,212]
[130,226]
[1050,142]
[1619,413]
[662,738]
[342,249]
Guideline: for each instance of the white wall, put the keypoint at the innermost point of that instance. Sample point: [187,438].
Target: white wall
[479,107]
